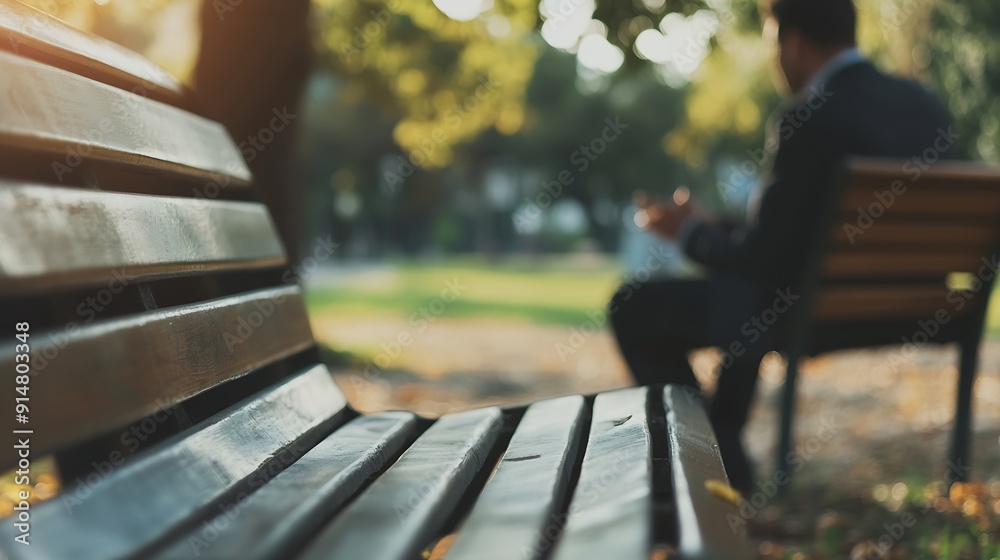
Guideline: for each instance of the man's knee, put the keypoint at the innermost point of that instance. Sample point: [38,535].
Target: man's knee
[620,308]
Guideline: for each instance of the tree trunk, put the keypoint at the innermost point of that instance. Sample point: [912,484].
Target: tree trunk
[253,65]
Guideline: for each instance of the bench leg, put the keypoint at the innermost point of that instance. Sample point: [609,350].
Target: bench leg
[960,457]
[787,416]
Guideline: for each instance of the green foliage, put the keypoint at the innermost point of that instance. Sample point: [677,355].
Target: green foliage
[559,292]
[962,58]
[445,81]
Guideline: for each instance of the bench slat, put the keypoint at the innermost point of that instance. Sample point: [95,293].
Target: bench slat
[77,238]
[611,516]
[888,170]
[887,233]
[926,199]
[279,517]
[515,515]
[113,372]
[29,32]
[129,509]
[401,512]
[55,112]
[878,302]
[856,265]
[703,519]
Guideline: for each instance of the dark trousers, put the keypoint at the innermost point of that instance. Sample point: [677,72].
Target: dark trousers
[657,323]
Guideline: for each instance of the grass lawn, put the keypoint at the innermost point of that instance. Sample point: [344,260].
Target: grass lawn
[548,290]
[561,292]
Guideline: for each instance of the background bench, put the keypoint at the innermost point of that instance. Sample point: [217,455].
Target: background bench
[176,380]
[877,281]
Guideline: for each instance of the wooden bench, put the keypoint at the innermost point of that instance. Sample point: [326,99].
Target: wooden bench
[175,379]
[906,254]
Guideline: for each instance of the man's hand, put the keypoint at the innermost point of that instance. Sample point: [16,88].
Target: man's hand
[663,219]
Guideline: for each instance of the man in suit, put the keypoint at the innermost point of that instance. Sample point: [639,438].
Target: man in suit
[841,105]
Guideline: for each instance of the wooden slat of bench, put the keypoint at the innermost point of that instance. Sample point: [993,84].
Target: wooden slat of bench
[137,504]
[78,238]
[610,515]
[925,199]
[113,372]
[881,302]
[703,518]
[887,170]
[52,111]
[936,265]
[29,32]
[516,516]
[279,517]
[399,514]
[887,233]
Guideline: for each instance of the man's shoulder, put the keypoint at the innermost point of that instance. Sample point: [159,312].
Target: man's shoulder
[860,102]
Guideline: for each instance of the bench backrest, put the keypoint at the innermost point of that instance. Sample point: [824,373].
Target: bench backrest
[154,288]
[901,236]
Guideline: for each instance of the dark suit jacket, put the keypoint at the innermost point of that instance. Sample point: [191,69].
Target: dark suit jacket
[860,112]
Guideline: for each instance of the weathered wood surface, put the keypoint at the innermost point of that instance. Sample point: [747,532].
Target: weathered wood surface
[104,375]
[880,302]
[518,513]
[281,516]
[610,515]
[844,265]
[74,119]
[32,33]
[968,173]
[61,237]
[703,518]
[122,512]
[399,514]
[925,199]
[884,234]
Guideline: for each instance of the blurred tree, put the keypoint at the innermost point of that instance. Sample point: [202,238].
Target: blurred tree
[445,80]
[469,86]
[252,65]
[961,55]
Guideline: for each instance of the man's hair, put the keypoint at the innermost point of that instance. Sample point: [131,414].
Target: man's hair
[827,23]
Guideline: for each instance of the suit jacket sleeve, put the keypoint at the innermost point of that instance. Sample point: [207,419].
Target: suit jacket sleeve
[772,245]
